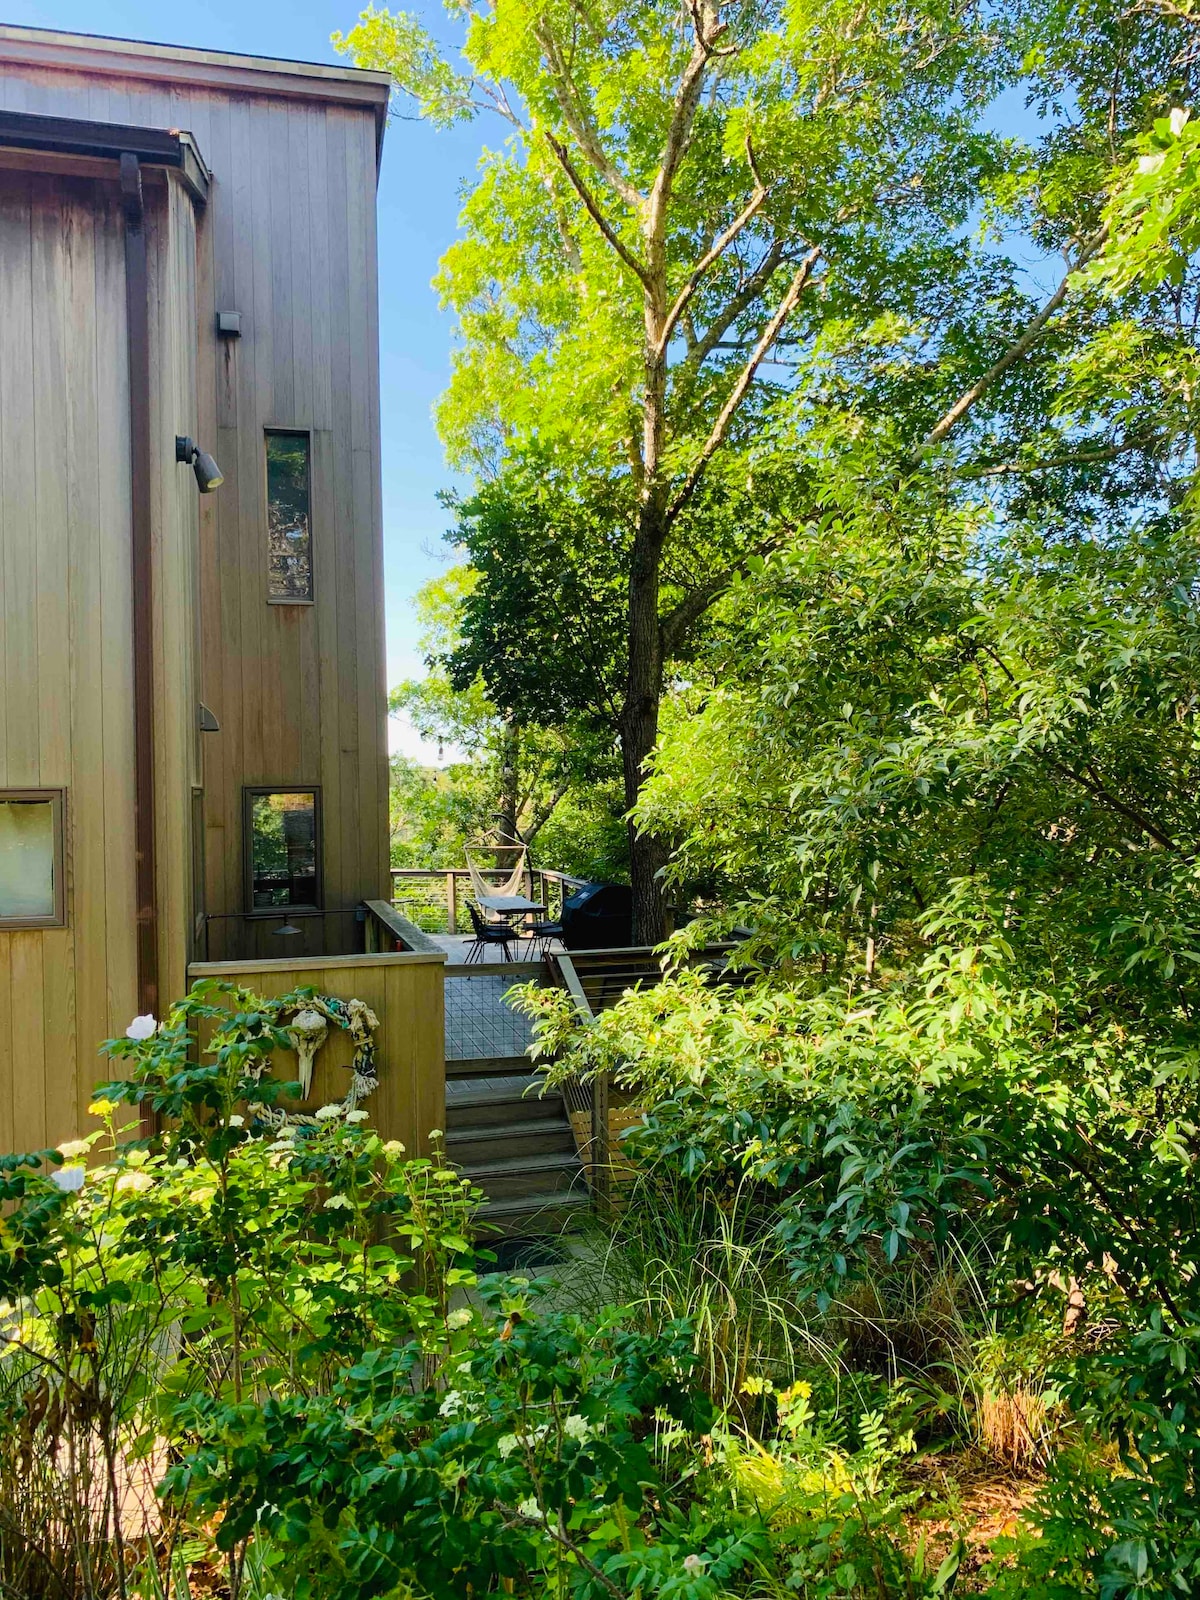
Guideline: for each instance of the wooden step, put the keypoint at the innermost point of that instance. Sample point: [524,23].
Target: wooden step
[477,1106]
[534,1215]
[488,1067]
[526,1175]
[501,1141]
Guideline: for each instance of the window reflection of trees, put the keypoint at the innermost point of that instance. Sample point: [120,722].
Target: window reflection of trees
[289,534]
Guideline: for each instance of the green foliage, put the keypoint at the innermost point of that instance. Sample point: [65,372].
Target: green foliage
[519,764]
[213,1261]
[526,1451]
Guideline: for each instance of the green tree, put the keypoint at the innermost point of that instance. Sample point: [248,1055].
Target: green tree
[688,206]
[516,770]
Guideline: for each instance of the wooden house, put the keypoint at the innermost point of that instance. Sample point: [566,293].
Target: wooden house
[193,760]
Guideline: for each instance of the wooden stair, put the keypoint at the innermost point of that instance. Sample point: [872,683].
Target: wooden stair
[517,1145]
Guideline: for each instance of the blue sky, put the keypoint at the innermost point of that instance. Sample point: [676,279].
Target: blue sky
[420,185]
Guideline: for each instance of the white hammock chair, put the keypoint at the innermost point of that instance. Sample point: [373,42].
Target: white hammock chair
[482,887]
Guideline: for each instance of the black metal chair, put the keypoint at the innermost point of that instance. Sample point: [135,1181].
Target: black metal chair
[488,933]
[541,934]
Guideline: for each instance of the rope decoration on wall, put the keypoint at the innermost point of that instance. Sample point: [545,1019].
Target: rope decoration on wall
[308,1028]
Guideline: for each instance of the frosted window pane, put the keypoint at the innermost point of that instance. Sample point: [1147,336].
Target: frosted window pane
[26,858]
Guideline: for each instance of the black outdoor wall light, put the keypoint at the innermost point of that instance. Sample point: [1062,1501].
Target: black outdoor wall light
[208,474]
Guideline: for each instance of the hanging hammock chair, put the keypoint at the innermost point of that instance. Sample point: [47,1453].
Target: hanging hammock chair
[513,886]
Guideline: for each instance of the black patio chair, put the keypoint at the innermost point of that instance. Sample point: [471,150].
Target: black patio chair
[541,934]
[488,933]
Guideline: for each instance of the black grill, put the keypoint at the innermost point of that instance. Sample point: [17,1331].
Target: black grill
[598,917]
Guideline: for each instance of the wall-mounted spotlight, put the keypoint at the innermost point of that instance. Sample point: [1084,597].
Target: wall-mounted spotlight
[208,474]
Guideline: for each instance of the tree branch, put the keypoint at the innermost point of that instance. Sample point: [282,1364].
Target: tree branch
[741,301]
[707,29]
[1078,458]
[543,813]
[738,393]
[694,604]
[1032,333]
[1089,781]
[718,249]
[578,120]
[593,209]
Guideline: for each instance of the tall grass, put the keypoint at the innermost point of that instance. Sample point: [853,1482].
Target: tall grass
[673,1250]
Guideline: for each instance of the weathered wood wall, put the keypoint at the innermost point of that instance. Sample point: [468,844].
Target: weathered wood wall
[65,658]
[288,240]
[406,994]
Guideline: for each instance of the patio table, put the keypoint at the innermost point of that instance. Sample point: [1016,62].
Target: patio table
[509,905]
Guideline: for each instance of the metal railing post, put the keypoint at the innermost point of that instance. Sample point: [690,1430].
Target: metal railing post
[451,902]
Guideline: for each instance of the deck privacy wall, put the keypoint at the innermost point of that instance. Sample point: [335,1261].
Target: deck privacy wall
[405,992]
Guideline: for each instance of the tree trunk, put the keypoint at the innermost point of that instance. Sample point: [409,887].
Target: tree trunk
[510,765]
[639,725]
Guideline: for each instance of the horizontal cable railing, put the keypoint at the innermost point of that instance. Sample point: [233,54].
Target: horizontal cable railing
[436,898]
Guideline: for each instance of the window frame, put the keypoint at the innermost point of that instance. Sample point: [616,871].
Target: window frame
[270,429]
[249,792]
[57,799]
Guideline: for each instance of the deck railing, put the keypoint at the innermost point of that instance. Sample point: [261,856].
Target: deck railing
[436,899]
[596,980]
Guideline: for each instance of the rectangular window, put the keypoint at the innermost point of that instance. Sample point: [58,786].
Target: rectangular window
[289,526]
[283,849]
[199,898]
[32,876]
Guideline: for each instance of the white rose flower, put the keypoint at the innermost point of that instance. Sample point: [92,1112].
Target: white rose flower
[69,1179]
[74,1149]
[459,1318]
[576,1427]
[135,1182]
[327,1113]
[142,1028]
[357,1116]
[236,1122]
[530,1508]
[451,1404]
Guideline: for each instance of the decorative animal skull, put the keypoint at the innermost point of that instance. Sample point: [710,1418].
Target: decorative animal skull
[308,1032]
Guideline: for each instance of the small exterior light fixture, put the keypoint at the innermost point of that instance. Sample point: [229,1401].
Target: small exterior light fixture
[287,930]
[208,474]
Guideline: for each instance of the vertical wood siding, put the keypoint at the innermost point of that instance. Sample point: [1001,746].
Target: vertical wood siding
[64,633]
[288,240]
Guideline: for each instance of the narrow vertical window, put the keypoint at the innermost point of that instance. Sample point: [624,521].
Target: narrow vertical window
[289,521]
[283,849]
[199,889]
[32,877]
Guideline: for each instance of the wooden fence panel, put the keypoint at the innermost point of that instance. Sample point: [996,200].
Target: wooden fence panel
[405,993]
